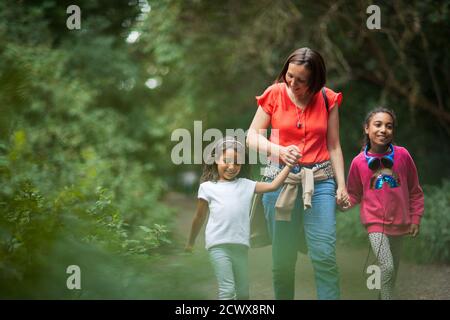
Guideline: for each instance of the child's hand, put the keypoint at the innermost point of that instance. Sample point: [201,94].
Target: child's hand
[290,165]
[344,206]
[342,198]
[290,154]
[347,204]
[414,230]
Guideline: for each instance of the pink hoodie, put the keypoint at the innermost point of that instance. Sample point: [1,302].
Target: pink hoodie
[398,203]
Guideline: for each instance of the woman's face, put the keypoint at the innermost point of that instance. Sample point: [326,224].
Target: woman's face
[297,79]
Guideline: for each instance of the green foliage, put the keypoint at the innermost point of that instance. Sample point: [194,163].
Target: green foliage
[214,58]
[77,187]
[85,145]
[349,229]
[433,242]
[37,216]
[432,245]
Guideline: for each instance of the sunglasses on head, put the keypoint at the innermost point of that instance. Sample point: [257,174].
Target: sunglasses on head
[374,163]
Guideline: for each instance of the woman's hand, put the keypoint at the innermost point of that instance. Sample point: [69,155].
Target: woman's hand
[290,154]
[414,230]
[342,198]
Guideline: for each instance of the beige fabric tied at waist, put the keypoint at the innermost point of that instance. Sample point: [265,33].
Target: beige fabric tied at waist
[286,200]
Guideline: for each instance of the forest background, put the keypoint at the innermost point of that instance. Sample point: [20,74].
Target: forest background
[87,116]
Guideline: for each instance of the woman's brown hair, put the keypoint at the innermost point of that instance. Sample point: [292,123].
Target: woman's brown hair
[313,61]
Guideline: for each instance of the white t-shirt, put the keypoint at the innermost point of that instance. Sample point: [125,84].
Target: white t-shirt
[229,211]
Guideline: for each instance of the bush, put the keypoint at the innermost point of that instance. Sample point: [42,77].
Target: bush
[47,223]
[349,229]
[433,242]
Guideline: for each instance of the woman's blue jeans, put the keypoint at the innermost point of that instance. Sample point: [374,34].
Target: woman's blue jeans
[319,227]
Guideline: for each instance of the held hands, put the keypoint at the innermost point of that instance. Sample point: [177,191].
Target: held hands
[289,165]
[344,206]
[290,155]
[414,230]
[342,198]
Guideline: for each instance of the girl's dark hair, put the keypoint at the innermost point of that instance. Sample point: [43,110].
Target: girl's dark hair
[369,116]
[313,61]
[210,172]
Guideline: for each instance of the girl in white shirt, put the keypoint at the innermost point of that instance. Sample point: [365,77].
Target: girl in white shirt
[228,199]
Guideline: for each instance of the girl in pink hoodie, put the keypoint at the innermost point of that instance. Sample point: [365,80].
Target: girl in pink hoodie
[383,178]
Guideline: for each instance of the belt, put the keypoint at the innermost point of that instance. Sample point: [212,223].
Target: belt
[304,175]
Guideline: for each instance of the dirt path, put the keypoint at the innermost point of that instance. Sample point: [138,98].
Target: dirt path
[414,281]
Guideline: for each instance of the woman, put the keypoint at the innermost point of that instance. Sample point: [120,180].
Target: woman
[304,121]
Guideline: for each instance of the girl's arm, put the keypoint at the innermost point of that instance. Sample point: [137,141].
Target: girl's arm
[354,186]
[197,223]
[262,187]
[259,142]
[337,160]
[416,199]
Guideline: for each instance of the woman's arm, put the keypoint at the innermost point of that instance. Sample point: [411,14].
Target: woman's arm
[337,160]
[257,141]
[262,187]
[197,223]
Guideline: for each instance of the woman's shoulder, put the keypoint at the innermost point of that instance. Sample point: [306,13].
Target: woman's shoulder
[333,96]
[330,91]
[277,86]
[274,88]
[268,100]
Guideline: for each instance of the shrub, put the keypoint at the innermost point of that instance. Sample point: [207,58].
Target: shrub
[433,242]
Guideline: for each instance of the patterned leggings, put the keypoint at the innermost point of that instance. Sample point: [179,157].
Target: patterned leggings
[387,249]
